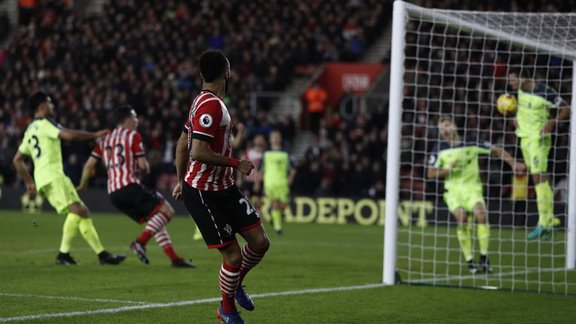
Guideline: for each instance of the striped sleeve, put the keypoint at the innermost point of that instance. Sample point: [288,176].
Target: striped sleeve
[97,150]
[137,145]
[206,120]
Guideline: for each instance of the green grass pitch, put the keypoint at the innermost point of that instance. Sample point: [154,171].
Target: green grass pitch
[312,274]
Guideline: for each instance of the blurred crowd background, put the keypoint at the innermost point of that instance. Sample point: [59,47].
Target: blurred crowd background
[143,53]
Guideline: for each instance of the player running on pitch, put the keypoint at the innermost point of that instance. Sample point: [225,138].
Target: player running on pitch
[123,155]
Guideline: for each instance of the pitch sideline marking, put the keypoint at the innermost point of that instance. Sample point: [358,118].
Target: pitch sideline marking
[185,303]
[98,300]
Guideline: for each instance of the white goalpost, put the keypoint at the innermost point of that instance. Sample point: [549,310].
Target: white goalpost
[456,63]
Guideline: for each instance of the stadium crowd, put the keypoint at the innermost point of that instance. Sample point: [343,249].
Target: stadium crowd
[143,53]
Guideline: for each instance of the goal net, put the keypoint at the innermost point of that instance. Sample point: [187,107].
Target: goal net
[451,66]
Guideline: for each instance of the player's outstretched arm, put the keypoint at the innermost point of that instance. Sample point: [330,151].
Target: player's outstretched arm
[517,167]
[78,135]
[180,161]
[291,175]
[18,162]
[240,135]
[563,114]
[434,172]
[143,165]
[181,156]
[86,173]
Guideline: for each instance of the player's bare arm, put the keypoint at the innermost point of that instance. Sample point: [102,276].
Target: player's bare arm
[517,167]
[291,176]
[18,162]
[563,114]
[201,152]
[86,173]
[143,165]
[240,135]
[180,161]
[78,135]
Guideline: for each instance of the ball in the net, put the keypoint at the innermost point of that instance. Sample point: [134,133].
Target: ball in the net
[507,104]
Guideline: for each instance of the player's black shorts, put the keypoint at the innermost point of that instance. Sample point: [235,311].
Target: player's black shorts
[220,214]
[137,201]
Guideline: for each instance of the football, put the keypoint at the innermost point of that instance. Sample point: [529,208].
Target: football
[506,104]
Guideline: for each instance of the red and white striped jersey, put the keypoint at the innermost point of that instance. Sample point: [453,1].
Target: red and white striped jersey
[209,120]
[119,150]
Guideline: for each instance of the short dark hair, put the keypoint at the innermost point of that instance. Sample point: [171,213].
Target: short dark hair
[213,64]
[35,100]
[121,113]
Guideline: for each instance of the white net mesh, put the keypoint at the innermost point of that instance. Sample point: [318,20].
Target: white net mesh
[457,64]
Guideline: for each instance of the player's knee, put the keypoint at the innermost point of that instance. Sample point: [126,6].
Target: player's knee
[261,244]
[167,210]
[539,178]
[80,210]
[460,216]
[232,257]
[480,213]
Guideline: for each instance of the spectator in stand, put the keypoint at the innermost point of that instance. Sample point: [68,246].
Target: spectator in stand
[316,103]
[26,9]
[147,61]
[4,26]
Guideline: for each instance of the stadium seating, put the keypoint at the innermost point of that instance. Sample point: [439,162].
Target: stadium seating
[143,53]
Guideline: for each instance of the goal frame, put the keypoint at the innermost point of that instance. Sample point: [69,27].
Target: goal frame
[400,13]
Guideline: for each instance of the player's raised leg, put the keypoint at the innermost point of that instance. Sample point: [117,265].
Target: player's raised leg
[162,213]
[165,242]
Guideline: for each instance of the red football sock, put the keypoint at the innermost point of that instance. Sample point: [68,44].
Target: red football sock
[229,276]
[163,239]
[145,237]
[169,251]
[154,225]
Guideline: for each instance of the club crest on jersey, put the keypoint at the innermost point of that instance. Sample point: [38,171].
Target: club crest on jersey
[228,229]
[206,120]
